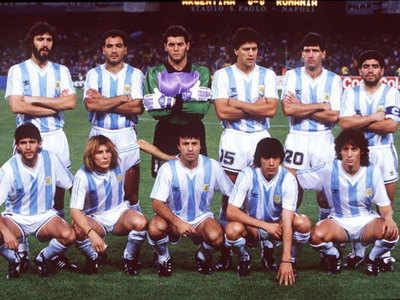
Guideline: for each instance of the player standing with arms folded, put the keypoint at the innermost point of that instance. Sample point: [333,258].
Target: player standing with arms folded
[177,93]
[373,107]
[113,96]
[245,98]
[38,91]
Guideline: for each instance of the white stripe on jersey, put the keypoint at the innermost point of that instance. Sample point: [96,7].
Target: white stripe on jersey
[96,193]
[128,81]
[356,100]
[327,87]
[230,82]
[264,199]
[28,79]
[30,191]
[347,195]
[188,193]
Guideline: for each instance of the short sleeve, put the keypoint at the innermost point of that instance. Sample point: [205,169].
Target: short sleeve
[220,85]
[14,83]
[79,191]
[162,184]
[241,188]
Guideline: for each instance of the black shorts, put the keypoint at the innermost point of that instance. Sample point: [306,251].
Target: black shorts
[166,139]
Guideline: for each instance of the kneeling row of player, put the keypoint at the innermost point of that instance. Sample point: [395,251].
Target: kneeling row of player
[261,207]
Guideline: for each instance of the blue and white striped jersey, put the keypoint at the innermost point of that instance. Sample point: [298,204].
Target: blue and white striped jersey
[95,193]
[347,195]
[327,87]
[231,82]
[128,81]
[357,101]
[30,191]
[188,193]
[28,79]
[263,199]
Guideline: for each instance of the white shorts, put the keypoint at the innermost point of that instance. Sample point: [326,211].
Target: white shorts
[31,225]
[125,141]
[56,142]
[196,222]
[385,157]
[109,218]
[304,150]
[237,148]
[354,226]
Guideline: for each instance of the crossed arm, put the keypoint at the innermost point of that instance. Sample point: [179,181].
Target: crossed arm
[374,122]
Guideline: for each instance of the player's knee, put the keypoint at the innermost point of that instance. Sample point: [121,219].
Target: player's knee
[139,223]
[317,236]
[79,234]
[215,237]
[68,236]
[234,230]
[301,223]
[157,227]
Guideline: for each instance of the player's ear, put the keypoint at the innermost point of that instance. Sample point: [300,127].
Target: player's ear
[188,46]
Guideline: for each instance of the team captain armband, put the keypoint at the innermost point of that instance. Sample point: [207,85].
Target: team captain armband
[157,101]
[393,112]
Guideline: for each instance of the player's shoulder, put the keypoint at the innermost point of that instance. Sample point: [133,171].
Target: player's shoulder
[268,71]
[17,67]
[200,69]
[156,69]
[332,74]
[391,89]
[134,69]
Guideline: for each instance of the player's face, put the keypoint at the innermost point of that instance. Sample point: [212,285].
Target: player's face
[189,149]
[176,48]
[270,166]
[246,55]
[42,46]
[29,149]
[351,157]
[371,72]
[114,50]
[312,57]
[102,159]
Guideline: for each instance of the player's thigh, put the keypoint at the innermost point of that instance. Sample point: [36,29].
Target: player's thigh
[13,227]
[296,151]
[210,229]
[130,220]
[93,224]
[387,161]
[374,230]
[236,149]
[328,230]
[57,228]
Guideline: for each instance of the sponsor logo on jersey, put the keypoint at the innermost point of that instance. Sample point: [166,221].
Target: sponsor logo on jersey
[26,82]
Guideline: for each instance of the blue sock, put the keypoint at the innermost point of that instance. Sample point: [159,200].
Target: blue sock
[54,247]
[86,248]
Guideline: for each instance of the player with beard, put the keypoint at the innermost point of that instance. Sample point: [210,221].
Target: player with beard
[373,107]
[176,93]
[38,91]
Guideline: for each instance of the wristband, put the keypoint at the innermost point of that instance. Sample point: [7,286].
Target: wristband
[285,262]
[87,233]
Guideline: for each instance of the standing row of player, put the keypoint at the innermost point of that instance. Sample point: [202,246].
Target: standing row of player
[177,94]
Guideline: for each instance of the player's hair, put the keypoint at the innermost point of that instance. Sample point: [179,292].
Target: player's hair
[371,54]
[355,138]
[244,35]
[268,148]
[93,145]
[176,30]
[114,33]
[39,28]
[191,130]
[27,130]
[313,39]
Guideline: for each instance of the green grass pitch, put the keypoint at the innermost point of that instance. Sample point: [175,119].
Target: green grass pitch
[185,282]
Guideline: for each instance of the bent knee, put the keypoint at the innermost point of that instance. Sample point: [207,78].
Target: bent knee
[139,223]
[301,223]
[215,237]
[157,226]
[234,230]
[68,236]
